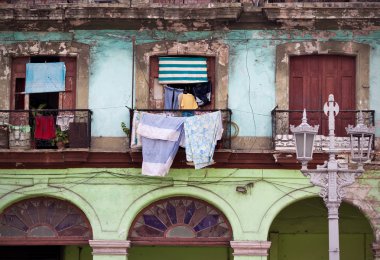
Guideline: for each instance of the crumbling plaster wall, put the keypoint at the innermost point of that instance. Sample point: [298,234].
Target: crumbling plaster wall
[249,77]
[216,49]
[32,48]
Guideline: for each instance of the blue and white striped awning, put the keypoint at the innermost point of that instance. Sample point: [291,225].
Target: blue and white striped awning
[177,70]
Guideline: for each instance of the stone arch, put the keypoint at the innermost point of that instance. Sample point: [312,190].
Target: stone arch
[34,48]
[359,50]
[215,49]
[59,193]
[304,223]
[151,197]
[183,220]
[44,221]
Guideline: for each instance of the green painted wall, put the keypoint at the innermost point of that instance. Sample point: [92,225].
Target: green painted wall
[77,253]
[183,253]
[111,198]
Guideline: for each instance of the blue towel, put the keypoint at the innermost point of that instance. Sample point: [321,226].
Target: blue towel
[45,77]
[160,137]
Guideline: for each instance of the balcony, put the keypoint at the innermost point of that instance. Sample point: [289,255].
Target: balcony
[45,129]
[224,143]
[283,139]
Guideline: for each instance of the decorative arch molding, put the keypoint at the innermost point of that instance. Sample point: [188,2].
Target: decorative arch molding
[34,48]
[204,48]
[352,198]
[280,204]
[150,197]
[183,220]
[44,221]
[359,50]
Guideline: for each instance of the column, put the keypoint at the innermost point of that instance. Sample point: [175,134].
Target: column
[376,250]
[110,249]
[250,250]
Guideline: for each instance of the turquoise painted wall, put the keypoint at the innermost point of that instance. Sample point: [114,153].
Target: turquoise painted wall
[251,70]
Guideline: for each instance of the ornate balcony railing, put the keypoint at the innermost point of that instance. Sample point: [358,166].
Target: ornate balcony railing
[45,129]
[224,143]
[282,119]
[318,1]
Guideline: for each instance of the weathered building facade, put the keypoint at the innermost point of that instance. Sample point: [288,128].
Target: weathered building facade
[266,61]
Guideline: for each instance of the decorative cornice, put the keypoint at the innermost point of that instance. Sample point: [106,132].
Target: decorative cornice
[110,247]
[250,248]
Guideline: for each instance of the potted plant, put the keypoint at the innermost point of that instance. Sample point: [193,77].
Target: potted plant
[61,138]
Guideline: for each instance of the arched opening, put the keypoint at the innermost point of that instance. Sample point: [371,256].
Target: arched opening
[180,227]
[44,228]
[300,231]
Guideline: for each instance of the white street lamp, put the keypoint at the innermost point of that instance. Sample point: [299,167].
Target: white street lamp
[332,177]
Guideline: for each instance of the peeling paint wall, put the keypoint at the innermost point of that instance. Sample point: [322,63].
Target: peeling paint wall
[251,71]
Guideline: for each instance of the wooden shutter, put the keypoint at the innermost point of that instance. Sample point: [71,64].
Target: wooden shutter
[312,79]
[67,98]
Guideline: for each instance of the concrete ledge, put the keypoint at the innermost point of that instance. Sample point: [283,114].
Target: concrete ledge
[250,248]
[110,247]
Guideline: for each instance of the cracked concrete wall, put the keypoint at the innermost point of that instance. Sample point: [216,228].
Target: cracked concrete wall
[246,73]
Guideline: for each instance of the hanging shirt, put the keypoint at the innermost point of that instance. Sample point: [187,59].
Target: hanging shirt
[188,102]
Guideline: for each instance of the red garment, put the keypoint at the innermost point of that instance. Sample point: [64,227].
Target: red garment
[44,128]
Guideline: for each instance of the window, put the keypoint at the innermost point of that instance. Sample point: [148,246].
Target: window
[156,88]
[52,100]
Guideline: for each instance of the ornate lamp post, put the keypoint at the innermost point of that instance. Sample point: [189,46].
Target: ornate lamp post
[332,177]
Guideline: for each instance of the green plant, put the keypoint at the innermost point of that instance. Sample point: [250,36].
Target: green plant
[35,111]
[61,137]
[125,129]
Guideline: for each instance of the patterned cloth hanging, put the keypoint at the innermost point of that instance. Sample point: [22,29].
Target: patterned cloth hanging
[178,70]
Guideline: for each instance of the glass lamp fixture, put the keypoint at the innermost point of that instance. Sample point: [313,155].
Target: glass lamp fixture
[304,136]
[361,138]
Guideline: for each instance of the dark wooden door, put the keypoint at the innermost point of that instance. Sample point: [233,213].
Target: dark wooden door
[312,79]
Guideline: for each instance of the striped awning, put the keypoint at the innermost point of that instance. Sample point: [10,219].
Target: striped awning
[177,70]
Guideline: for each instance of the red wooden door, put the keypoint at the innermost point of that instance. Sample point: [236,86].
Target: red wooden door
[312,79]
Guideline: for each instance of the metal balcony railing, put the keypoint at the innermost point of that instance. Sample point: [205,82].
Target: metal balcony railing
[318,1]
[283,139]
[224,143]
[45,129]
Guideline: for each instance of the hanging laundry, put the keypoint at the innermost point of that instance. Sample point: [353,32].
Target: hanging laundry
[160,136]
[188,102]
[171,97]
[64,119]
[202,93]
[44,127]
[45,77]
[201,134]
[136,138]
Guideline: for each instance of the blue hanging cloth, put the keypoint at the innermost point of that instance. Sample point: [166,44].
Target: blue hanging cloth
[45,77]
